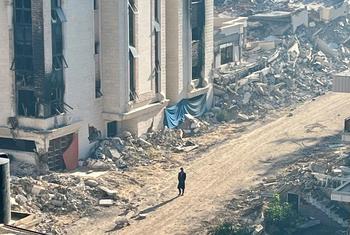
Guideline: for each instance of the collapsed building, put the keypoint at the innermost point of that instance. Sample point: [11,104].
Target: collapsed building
[229,39]
[326,11]
[74,72]
[279,22]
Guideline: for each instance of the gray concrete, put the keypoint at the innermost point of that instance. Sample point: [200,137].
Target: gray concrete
[5,204]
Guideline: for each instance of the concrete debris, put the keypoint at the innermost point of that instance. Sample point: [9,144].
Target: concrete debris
[91,183]
[139,217]
[110,193]
[192,125]
[128,151]
[106,202]
[56,195]
[297,69]
[121,223]
[259,229]
[312,178]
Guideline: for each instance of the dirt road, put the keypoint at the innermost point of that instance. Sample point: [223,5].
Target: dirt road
[235,165]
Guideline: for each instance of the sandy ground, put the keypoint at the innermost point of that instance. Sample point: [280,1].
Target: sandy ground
[223,170]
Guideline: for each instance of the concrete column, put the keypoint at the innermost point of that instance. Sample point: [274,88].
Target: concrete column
[5,204]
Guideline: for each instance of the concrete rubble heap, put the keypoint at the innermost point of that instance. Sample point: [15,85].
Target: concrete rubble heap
[127,151]
[55,196]
[313,176]
[294,72]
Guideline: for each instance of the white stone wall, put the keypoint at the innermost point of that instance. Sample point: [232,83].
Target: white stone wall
[163,53]
[209,40]
[114,57]
[144,48]
[80,75]
[7,102]
[173,49]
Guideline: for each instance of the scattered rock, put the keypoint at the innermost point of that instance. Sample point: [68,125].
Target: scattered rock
[121,223]
[106,202]
[91,183]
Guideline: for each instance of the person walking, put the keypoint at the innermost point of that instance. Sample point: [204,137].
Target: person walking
[181,178]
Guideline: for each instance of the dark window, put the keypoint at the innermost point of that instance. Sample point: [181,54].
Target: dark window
[226,54]
[112,129]
[18,145]
[156,61]
[22,12]
[197,26]
[156,10]
[59,63]
[98,88]
[133,94]
[97,48]
[23,59]
[347,125]
[95,4]
[23,3]
[26,103]
[197,19]
[132,50]
[131,23]
[94,134]
[24,80]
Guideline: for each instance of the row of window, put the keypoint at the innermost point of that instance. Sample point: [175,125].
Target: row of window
[27,102]
[23,62]
[132,11]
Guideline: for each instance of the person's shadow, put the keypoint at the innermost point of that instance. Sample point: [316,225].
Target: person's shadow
[153,208]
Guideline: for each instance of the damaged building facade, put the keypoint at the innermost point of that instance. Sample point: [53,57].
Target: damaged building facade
[229,39]
[189,58]
[74,72]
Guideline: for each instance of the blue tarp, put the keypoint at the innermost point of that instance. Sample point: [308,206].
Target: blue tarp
[175,115]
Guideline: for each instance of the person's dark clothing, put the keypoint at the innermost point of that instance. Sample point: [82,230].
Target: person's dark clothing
[182,178]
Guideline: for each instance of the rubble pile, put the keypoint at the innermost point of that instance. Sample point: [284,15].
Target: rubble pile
[55,195]
[336,35]
[312,177]
[296,71]
[52,193]
[128,151]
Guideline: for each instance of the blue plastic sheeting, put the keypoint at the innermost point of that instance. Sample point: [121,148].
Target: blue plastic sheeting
[175,115]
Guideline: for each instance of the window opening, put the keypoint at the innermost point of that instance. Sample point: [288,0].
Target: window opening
[26,103]
[22,63]
[17,145]
[94,134]
[132,50]
[226,54]
[59,63]
[197,25]
[157,29]
[112,129]
[95,4]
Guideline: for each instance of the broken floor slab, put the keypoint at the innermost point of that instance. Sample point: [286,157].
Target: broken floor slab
[342,193]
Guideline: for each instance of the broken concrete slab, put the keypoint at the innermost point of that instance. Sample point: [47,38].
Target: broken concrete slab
[106,202]
[91,183]
[36,190]
[112,193]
